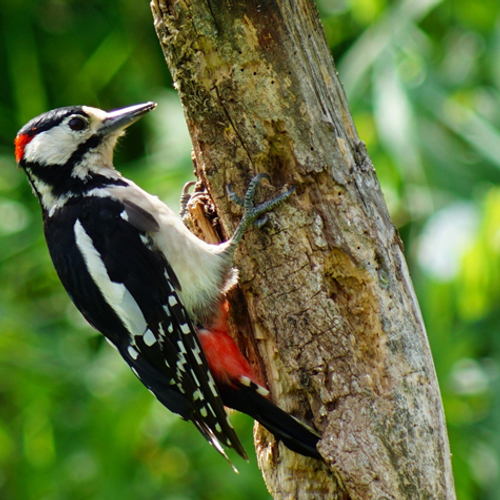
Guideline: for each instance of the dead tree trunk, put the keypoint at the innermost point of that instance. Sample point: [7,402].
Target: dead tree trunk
[326,306]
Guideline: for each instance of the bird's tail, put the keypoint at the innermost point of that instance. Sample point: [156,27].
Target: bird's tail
[295,435]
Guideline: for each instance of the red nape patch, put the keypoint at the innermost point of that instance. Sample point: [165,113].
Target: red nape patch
[20,143]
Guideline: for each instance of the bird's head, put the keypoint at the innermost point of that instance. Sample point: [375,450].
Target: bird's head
[63,149]
[69,134]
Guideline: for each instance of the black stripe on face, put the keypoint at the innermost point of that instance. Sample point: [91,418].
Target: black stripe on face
[60,178]
[89,145]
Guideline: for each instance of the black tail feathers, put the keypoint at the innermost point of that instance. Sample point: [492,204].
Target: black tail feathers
[295,435]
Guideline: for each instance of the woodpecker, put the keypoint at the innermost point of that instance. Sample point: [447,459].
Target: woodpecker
[142,279]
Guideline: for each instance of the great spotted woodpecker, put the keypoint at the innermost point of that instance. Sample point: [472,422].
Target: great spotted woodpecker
[141,278]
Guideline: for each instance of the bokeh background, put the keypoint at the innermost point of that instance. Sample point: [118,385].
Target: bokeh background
[423,80]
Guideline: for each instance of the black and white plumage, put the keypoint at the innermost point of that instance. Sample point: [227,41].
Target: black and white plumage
[139,276]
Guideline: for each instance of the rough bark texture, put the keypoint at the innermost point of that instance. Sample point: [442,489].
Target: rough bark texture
[325,307]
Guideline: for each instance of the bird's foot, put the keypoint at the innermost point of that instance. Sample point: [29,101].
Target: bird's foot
[254,214]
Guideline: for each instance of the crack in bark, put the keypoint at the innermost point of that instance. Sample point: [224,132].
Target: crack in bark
[242,142]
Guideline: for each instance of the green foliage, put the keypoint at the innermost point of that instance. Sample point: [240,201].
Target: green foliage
[423,82]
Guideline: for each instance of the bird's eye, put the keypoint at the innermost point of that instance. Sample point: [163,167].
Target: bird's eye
[77,124]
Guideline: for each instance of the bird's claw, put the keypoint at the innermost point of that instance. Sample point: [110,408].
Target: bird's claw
[256,215]
[234,197]
[261,221]
[185,197]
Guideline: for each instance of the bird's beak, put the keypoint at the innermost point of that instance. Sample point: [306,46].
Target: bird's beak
[120,119]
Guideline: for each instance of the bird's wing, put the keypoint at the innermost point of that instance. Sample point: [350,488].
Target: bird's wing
[124,288]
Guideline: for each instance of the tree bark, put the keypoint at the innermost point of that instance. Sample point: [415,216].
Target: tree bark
[325,305]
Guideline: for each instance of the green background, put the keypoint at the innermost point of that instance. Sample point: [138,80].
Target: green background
[423,80]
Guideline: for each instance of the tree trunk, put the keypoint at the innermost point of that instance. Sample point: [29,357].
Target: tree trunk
[325,306]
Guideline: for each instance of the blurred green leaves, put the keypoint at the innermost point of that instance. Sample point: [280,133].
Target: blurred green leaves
[423,83]
[103,64]
[478,290]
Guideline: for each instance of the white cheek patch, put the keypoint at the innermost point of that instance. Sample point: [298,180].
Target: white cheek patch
[116,294]
[53,147]
[98,159]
